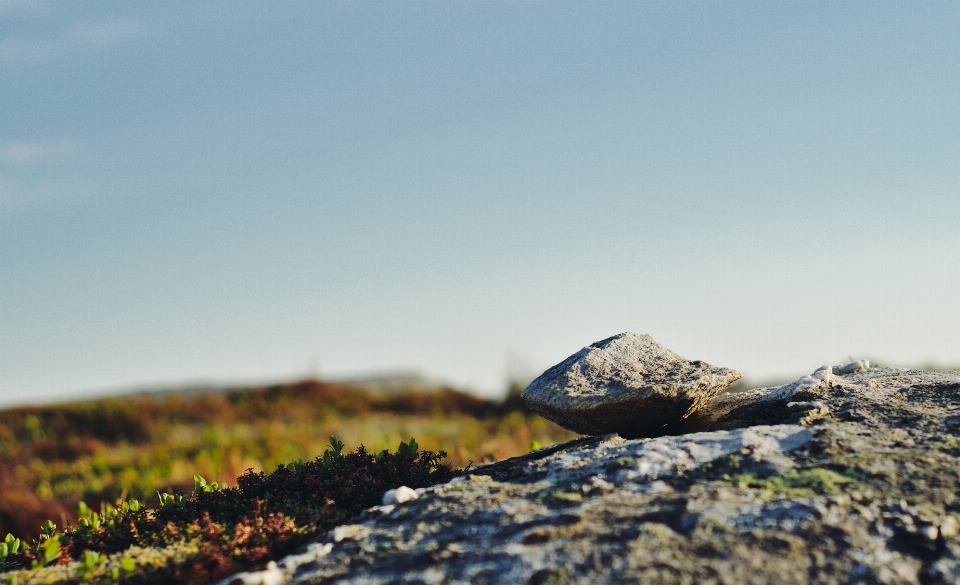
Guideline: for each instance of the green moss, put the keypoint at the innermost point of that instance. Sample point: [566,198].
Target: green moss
[947,443]
[621,463]
[557,494]
[720,464]
[801,483]
[711,526]
[565,496]
[658,530]
[549,577]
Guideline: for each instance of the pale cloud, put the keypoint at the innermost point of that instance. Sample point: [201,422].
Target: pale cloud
[26,50]
[19,194]
[79,37]
[21,153]
[34,173]
[29,6]
[106,34]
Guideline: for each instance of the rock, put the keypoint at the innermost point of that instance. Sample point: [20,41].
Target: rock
[764,406]
[401,495]
[851,368]
[867,501]
[627,384]
[272,575]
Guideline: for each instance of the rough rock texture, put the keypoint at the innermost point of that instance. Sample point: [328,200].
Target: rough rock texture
[764,405]
[627,384]
[837,479]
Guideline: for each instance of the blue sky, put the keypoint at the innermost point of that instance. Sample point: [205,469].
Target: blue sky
[252,191]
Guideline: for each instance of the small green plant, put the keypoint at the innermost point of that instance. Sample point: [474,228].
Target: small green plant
[170,499]
[408,449]
[201,486]
[9,546]
[129,506]
[337,445]
[89,563]
[87,517]
[297,466]
[48,529]
[48,551]
[126,568]
[328,455]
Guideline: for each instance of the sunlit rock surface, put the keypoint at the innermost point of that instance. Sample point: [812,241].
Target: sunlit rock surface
[836,479]
[627,384]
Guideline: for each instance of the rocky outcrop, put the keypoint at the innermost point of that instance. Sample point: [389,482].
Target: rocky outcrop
[761,406]
[841,477]
[627,384]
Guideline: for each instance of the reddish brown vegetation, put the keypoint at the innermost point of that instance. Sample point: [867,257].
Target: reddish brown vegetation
[53,456]
[264,517]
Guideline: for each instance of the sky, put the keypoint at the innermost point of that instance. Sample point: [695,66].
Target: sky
[247,192]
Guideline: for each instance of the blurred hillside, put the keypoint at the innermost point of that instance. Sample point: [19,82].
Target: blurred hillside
[53,456]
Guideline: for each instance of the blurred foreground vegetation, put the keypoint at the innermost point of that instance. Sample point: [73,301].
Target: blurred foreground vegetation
[121,448]
[216,531]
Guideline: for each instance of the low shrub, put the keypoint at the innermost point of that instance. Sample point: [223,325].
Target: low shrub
[124,447]
[263,518]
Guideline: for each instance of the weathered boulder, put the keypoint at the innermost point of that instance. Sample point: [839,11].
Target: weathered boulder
[761,406]
[627,384]
[863,488]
